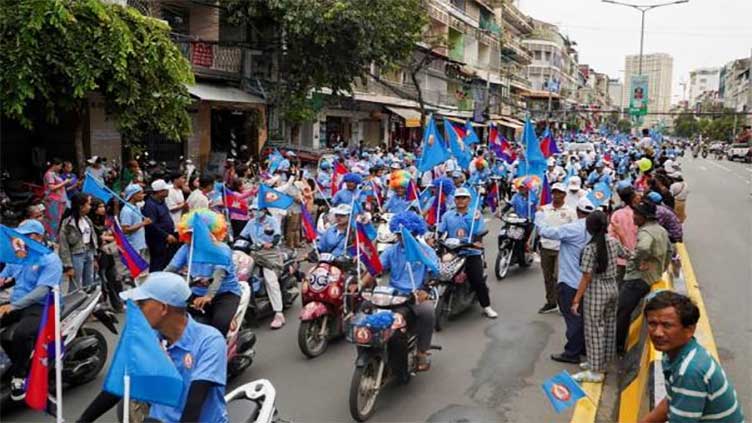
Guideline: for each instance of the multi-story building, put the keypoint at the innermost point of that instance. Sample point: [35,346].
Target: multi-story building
[515,58]
[658,67]
[615,92]
[735,87]
[702,80]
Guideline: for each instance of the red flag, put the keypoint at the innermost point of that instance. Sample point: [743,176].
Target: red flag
[546,196]
[438,207]
[128,255]
[368,253]
[339,172]
[412,191]
[234,203]
[309,229]
[37,387]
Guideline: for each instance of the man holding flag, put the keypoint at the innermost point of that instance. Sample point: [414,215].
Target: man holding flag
[409,261]
[36,270]
[197,351]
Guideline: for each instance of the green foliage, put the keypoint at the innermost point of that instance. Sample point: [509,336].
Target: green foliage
[718,127]
[624,126]
[53,53]
[685,125]
[330,43]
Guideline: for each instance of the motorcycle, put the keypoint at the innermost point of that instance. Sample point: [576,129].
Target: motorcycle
[325,303]
[253,402]
[85,347]
[512,232]
[384,237]
[387,350]
[260,306]
[704,154]
[453,291]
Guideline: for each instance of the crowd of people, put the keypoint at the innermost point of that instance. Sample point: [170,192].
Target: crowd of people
[599,253]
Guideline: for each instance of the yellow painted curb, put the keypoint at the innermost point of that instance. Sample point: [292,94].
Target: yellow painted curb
[703,333]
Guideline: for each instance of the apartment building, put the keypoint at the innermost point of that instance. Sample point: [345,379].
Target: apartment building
[515,58]
[658,67]
[735,85]
[702,80]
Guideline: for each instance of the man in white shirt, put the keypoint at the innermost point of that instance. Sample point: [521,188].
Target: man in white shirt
[175,200]
[646,141]
[554,173]
[198,198]
[574,192]
[555,214]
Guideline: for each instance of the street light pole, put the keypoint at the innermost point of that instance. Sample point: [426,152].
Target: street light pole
[643,9]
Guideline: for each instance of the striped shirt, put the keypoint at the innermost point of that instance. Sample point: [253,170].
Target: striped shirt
[697,388]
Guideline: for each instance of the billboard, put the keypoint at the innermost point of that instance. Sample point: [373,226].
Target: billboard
[638,95]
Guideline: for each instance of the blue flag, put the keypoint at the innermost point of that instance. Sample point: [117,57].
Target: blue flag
[19,249]
[434,151]
[532,145]
[470,136]
[414,251]
[562,391]
[96,188]
[139,355]
[205,248]
[271,198]
[600,194]
[275,159]
[459,150]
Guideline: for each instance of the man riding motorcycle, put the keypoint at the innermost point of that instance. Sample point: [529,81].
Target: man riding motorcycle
[264,230]
[217,303]
[393,259]
[32,284]
[345,196]
[457,224]
[333,240]
[524,204]
[197,350]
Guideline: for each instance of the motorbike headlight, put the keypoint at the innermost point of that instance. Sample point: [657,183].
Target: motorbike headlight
[334,291]
[399,321]
[363,335]
[304,287]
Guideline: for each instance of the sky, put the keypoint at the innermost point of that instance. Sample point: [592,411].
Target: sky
[701,33]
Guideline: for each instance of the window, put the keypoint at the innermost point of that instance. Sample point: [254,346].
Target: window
[537,54]
[459,4]
[548,56]
[177,18]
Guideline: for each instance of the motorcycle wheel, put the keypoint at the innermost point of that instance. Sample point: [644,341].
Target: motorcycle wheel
[503,261]
[363,390]
[101,355]
[311,343]
[442,313]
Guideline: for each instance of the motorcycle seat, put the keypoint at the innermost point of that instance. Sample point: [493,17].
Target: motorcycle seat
[71,302]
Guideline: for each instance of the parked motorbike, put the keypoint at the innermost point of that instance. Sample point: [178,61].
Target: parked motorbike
[85,347]
[253,402]
[326,303]
[386,348]
[259,306]
[511,233]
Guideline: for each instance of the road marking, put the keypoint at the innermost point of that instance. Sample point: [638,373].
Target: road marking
[703,168]
[720,166]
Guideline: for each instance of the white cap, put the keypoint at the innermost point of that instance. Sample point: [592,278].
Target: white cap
[93,159]
[160,185]
[559,187]
[551,161]
[462,192]
[575,183]
[584,205]
[342,210]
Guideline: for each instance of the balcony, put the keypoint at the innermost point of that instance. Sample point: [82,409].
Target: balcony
[214,59]
[512,48]
[512,15]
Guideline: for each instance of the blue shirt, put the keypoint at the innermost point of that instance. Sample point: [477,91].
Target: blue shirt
[47,272]
[324,180]
[457,225]
[206,270]
[394,260]
[332,241]
[199,354]
[596,177]
[396,204]
[130,216]
[525,207]
[573,237]
[261,229]
[343,196]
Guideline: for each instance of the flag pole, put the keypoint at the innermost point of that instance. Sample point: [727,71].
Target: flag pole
[417,194]
[357,255]
[126,398]
[375,194]
[349,222]
[227,212]
[438,212]
[190,261]
[58,358]
[323,196]
[472,217]
[409,266]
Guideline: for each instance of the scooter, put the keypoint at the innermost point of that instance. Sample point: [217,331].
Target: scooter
[325,303]
[511,233]
[253,402]
[85,347]
[387,350]
[453,291]
[260,306]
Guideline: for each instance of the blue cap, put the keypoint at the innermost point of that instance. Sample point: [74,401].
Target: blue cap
[325,165]
[352,177]
[30,226]
[165,287]
[655,197]
[131,190]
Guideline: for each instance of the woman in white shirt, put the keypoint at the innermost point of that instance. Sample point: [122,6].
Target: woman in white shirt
[78,242]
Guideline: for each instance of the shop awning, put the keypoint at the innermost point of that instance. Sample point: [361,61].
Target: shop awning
[509,122]
[412,117]
[218,93]
[458,120]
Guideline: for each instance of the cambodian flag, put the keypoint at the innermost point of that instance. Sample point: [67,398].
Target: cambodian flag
[438,207]
[37,384]
[130,257]
[309,229]
[545,197]
[412,191]
[548,145]
[234,203]
[492,197]
[339,172]
[369,256]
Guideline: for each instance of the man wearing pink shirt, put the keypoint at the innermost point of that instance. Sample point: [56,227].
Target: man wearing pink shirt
[623,228]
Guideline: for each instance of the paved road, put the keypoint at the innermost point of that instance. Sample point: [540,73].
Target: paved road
[718,235]
[491,370]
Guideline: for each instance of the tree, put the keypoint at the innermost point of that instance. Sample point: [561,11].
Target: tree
[624,126]
[685,125]
[54,53]
[328,43]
